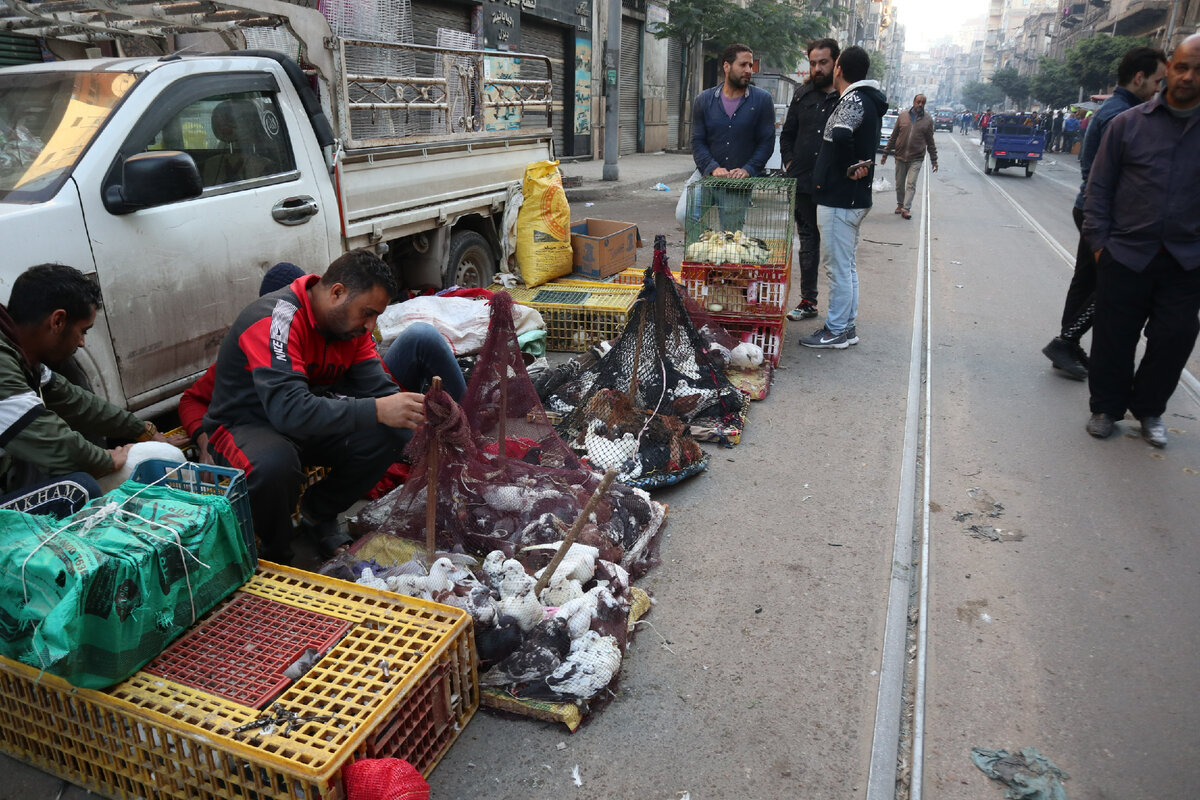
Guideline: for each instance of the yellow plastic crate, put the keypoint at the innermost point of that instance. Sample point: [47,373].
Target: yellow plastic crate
[578,317]
[402,683]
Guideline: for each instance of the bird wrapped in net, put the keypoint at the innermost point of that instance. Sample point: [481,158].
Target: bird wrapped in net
[638,407]
[503,478]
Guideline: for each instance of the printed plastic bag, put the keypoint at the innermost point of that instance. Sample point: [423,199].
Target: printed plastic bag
[543,226]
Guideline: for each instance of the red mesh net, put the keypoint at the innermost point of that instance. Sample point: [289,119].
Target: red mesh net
[504,479]
[383,779]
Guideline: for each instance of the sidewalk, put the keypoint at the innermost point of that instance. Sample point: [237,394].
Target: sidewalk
[639,171]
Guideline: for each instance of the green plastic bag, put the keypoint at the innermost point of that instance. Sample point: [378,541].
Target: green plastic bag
[94,598]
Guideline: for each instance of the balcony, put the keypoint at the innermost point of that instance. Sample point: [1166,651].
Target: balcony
[1138,17]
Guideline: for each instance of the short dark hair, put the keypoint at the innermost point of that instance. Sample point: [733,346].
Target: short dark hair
[730,53]
[360,271]
[855,63]
[40,291]
[824,44]
[1139,59]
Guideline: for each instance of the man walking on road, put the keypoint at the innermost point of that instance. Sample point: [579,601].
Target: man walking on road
[1142,215]
[799,144]
[1056,129]
[733,135]
[1138,75]
[842,189]
[911,137]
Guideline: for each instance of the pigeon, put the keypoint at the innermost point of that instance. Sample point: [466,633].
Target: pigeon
[518,601]
[411,585]
[592,663]
[541,652]
[578,563]
[561,590]
[746,355]
[367,578]
[604,452]
[511,568]
[614,576]
[493,563]
[580,612]
[495,643]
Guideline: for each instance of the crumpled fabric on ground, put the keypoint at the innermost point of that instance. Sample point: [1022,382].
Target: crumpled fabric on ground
[1029,774]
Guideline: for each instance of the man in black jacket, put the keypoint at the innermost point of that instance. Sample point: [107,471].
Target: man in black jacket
[843,191]
[799,144]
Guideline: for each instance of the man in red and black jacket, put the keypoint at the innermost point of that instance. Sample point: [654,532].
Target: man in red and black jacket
[298,381]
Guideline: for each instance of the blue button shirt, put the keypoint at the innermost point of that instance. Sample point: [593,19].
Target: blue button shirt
[745,140]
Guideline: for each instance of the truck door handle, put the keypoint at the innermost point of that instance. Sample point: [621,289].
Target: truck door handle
[294,210]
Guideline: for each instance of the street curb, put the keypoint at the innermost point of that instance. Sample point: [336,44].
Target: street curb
[602,190]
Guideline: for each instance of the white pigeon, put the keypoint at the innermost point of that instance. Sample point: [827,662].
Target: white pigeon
[139,452]
[411,585]
[561,590]
[438,579]
[580,612]
[603,452]
[367,578]
[518,601]
[493,564]
[746,355]
[590,666]
[578,563]
[511,568]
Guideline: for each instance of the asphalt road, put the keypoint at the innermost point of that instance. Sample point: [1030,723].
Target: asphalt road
[1070,626]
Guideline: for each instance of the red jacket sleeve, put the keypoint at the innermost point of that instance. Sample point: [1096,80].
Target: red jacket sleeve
[195,401]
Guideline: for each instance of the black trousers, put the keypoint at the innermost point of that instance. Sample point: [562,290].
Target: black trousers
[810,245]
[274,466]
[1081,301]
[1165,298]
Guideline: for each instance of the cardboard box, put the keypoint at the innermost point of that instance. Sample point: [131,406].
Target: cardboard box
[603,247]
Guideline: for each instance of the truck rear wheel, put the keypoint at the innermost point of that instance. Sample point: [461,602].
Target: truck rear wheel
[471,261]
[1030,168]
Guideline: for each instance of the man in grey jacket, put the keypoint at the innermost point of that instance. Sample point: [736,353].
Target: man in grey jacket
[910,139]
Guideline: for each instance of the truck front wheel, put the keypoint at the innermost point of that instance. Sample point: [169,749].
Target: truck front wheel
[470,263]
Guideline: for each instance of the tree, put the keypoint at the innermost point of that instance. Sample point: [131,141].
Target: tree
[878,66]
[1012,84]
[776,30]
[1053,85]
[979,95]
[1092,62]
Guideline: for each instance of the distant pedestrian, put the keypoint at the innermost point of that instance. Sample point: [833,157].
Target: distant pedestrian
[1138,75]
[799,145]
[842,188]
[910,140]
[1142,215]
[1070,133]
[733,134]
[1056,129]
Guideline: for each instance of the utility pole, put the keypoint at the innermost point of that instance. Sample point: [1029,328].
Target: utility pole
[1171,27]
[612,93]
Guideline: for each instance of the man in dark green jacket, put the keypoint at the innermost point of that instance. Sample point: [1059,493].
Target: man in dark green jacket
[44,418]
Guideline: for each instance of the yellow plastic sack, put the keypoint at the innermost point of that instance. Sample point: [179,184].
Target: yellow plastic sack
[543,226]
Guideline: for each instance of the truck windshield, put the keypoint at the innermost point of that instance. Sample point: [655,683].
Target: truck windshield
[47,121]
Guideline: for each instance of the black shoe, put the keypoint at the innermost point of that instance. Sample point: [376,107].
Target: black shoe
[328,537]
[1065,356]
[1102,425]
[1154,431]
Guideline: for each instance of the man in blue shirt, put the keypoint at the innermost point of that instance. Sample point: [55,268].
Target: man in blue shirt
[1141,214]
[1138,75]
[733,135]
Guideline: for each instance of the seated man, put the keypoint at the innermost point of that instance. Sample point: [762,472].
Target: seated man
[47,465]
[298,382]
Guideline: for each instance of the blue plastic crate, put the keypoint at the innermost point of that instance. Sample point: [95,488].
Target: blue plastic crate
[203,479]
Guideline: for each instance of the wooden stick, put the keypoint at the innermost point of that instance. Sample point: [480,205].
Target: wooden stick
[431,477]
[592,502]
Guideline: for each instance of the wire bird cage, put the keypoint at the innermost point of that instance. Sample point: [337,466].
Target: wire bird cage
[740,221]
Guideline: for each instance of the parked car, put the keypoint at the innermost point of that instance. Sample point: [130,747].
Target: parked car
[943,119]
[885,132]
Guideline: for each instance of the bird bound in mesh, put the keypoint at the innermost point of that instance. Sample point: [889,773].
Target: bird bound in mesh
[638,407]
[503,479]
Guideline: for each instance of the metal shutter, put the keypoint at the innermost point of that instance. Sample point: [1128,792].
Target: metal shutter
[427,17]
[16,49]
[547,39]
[631,85]
[674,87]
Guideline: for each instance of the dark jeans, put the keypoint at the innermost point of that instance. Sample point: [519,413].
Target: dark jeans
[1165,298]
[1080,305]
[59,497]
[417,355]
[810,245]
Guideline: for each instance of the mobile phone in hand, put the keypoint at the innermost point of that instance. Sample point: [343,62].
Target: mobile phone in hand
[853,168]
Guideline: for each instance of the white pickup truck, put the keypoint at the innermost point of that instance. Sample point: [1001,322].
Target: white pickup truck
[178,181]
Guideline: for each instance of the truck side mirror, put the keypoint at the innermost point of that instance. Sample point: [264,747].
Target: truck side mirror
[153,179]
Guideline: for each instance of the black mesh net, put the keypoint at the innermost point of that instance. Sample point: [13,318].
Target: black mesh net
[504,480]
[637,407]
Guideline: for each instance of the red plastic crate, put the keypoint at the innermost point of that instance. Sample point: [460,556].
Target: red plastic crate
[767,333]
[242,650]
[739,289]
[421,727]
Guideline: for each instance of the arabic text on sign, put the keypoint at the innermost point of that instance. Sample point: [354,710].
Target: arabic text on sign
[501,18]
